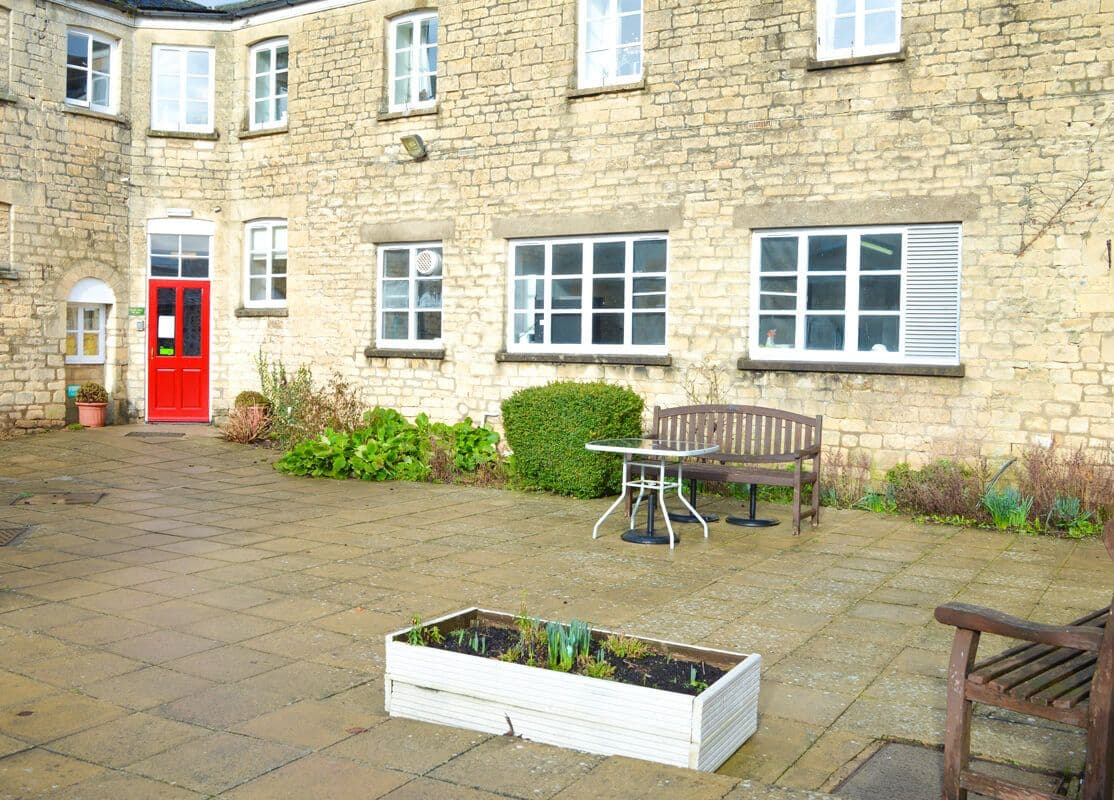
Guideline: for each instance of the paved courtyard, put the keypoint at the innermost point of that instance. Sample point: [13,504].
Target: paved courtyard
[210,627]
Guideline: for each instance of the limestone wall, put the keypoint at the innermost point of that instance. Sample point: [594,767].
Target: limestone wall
[996,117]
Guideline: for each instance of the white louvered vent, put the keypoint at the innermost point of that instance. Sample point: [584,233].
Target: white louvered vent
[932,294]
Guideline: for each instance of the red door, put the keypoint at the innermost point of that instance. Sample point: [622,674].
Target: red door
[178,351]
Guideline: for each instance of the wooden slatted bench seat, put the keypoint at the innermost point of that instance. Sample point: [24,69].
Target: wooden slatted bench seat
[755,443]
[1063,673]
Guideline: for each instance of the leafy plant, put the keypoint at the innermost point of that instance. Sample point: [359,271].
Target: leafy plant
[694,682]
[287,394]
[420,635]
[877,502]
[91,392]
[1007,508]
[249,398]
[625,646]
[566,644]
[597,668]
[547,427]
[246,424]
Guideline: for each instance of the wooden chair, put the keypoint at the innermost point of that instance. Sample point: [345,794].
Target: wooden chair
[1063,673]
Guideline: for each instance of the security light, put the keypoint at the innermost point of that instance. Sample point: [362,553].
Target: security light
[414,147]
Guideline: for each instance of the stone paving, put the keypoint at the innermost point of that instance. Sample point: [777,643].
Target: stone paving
[213,628]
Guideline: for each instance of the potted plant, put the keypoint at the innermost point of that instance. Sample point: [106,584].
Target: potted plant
[92,405]
[249,418]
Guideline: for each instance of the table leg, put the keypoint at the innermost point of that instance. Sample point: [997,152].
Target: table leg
[695,516]
[615,505]
[648,535]
[752,521]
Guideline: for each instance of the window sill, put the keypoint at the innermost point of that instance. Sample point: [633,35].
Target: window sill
[912,370]
[618,88]
[244,312]
[386,116]
[437,354]
[83,363]
[6,96]
[584,358]
[8,274]
[815,64]
[86,112]
[205,137]
[257,132]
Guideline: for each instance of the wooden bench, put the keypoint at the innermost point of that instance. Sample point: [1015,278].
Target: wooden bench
[1063,673]
[753,443]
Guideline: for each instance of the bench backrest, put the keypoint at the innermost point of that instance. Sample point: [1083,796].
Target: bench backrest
[744,433]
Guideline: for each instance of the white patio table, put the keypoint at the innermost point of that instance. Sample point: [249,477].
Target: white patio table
[651,478]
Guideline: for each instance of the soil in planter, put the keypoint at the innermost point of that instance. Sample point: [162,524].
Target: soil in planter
[655,670]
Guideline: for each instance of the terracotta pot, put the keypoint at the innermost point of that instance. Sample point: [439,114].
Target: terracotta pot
[92,415]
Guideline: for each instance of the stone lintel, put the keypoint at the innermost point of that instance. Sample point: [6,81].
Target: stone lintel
[417,230]
[867,211]
[617,220]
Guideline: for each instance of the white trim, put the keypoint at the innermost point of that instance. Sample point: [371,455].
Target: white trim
[586,311]
[269,225]
[194,227]
[179,123]
[825,31]
[91,290]
[79,332]
[417,50]
[113,73]
[272,45]
[412,308]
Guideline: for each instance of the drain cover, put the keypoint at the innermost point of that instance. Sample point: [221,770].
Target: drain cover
[9,535]
[155,435]
[59,499]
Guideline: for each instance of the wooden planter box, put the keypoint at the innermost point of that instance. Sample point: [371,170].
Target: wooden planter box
[575,711]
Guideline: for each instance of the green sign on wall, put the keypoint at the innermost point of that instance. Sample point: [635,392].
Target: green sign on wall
[136,311]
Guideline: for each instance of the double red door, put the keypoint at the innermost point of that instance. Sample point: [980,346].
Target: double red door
[178,351]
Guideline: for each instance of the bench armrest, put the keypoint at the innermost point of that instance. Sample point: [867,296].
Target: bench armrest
[986,620]
[808,452]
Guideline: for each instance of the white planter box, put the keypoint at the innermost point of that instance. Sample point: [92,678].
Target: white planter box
[575,711]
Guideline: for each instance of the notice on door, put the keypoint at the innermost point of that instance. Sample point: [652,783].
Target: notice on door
[166,327]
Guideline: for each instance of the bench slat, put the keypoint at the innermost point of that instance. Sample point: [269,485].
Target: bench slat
[1027,670]
[1056,680]
[1077,697]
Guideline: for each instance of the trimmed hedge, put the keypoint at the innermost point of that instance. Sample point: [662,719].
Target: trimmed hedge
[547,427]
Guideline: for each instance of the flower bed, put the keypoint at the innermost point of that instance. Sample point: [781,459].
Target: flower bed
[480,692]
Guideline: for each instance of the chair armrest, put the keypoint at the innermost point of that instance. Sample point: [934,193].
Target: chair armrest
[986,620]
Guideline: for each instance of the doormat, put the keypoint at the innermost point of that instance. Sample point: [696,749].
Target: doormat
[59,499]
[9,535]
[155,435]
[912,772]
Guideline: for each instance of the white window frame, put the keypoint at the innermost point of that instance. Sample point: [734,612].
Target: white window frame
[826,15]
[413,306]
[948,310]
[272,45]
[269,275]
[416,52]
[180,227]
[613,27]
[179,123]
[586,310]
[81,357]
[113,73]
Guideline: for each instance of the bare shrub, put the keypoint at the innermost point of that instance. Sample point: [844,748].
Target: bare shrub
[1048,473]
[844,477]
[337,406]
[246,424]
[942,488]
[705,384]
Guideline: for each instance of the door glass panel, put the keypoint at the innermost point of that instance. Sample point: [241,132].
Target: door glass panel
[164,305]
[191,322]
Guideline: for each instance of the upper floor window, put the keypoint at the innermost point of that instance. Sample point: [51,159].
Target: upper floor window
[84,333]
[182,89]
[410,279]
[878,294]
[89,69]
[610,42]
[597,294]
[265,272]
[412,54]
[849,28]
[269,69]
[179,248]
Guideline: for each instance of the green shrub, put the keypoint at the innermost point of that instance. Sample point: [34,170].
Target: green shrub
[91,393]
[548,426]
[249,398]
[1007,508]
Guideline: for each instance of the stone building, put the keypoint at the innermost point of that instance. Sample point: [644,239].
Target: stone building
[894,213]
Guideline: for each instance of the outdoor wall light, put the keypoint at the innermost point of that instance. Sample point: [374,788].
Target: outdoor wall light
[414,147]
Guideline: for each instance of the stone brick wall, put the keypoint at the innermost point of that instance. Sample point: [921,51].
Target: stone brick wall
[997,117]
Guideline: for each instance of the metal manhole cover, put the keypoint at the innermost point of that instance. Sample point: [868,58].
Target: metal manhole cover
[9,535]
[156,435]
[58,499]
